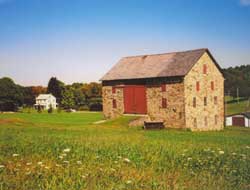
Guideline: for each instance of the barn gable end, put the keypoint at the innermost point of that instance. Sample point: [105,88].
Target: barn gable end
[211,92]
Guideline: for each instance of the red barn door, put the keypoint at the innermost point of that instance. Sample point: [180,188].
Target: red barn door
[239,121]
[135,99]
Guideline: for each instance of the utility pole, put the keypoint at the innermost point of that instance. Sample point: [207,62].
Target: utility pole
[238,95]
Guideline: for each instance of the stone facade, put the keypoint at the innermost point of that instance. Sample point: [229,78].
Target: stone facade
[209,116]
[173,115]
[180,111]
[108,97]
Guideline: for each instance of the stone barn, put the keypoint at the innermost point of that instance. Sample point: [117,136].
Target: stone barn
[181,89]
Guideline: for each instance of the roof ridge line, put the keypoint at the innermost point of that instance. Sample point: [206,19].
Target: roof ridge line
[157,54]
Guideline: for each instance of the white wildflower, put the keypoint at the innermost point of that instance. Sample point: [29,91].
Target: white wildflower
[66,150]
[234,153]
[128,182]
[39,163]
[243,156]
[28,163]
[2,166]
[119,157]
[61,157]
[83,176]
[126,160]
[15,155]
[79,162]
[46,167]
[66,162]
[221,152]
[189,158]
[248,147]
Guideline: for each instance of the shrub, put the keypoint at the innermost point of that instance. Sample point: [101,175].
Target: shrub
[59,109]
[39,109]
[83,108]
[95,107]
[50,110]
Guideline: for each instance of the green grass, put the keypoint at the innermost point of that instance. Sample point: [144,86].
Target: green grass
[112,155]
[232,108]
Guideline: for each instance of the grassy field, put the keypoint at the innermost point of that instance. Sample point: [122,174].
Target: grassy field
[67,151]
[233,106]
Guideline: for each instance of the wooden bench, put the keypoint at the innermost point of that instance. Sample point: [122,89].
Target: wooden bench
[153,125]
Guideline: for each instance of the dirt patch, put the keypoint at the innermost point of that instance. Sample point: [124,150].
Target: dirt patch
[12,121]
[139,121]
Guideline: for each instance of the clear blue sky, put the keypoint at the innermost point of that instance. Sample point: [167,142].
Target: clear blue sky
[80,40]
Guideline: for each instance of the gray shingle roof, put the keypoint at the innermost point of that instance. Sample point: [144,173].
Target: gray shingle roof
[158,65]
[246,114]
[44,96]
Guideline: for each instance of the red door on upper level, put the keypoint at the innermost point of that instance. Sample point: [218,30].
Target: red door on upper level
[135,99]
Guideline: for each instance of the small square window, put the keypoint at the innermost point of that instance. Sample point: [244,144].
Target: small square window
[215,119]
[195,122]
[163,87]
[204,69]
[180,115]
[205,101]
[164,103]
[215,100]
[205,121]
[113,90]
[114,103]
[194,102]
[212,85]
[197,86]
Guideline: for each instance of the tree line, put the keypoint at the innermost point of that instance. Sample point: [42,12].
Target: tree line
[87,96]
[237,81]
[79,96]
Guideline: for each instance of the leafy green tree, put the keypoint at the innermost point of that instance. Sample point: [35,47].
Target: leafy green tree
[67,98]
[29,97]
[11,95]
[56,87]
[79,97]
[237,78]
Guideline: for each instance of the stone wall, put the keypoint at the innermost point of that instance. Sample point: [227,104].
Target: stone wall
[203,117]
[108,97]
[174,114]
